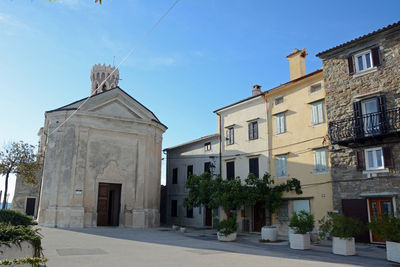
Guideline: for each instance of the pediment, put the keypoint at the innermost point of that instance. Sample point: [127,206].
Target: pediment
[115,108]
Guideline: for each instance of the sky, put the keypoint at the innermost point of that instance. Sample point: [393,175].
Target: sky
[204,55]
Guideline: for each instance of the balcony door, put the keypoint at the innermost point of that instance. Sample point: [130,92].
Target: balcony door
[370,112]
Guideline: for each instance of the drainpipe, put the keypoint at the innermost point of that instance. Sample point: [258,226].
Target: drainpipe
[220,145]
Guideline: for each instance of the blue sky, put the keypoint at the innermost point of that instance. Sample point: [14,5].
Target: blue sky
[204,55]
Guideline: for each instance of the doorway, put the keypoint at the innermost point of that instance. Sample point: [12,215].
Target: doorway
[108,204]
[258,216]
[378,207]
[208,220]
[30,206]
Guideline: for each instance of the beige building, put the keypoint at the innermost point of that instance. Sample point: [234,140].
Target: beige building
[102,167]
[297,141]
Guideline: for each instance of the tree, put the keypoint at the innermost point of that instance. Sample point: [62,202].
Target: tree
[18,158]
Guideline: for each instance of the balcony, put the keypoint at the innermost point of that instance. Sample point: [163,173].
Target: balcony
[368,126]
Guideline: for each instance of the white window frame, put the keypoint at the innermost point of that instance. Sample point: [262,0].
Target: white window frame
[254,128]
[374,158]
[317,115]
[280,127]
[230,136]
[364,60]
[281,158]
[319,158]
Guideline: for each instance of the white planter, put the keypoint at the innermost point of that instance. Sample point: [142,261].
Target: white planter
[300,241]
[226,238]
[393,251]
[343,246]
[16,252]
[183,229]
[269,233]
[175,227]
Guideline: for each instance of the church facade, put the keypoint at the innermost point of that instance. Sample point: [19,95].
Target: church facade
[102,166]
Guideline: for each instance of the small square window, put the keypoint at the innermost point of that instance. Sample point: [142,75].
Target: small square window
[207,146]
[374,158]
[315,88]
[279,100]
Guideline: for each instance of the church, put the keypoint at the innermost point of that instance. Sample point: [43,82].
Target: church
[102,166]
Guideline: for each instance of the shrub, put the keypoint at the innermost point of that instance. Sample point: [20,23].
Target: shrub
[302,222]
[10,234]
[14,217]
[386,227]
[227,227]
[338,225]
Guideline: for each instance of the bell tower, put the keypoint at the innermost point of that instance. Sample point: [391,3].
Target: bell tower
[99,73]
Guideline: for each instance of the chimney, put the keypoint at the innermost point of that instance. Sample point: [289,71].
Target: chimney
[297,63]
[256,90]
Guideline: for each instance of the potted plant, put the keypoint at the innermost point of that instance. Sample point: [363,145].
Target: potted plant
[342,229]
[302,223]
[183,229]
[227,229]
[176,225]
[388,228]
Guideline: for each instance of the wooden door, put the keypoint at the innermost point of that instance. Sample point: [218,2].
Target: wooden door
[30,206]
[208,220]
[378,207]
[103,205]
[358,209]
[114,199]
[258,216]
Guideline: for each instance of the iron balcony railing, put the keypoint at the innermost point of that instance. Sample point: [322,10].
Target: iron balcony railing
[365,126]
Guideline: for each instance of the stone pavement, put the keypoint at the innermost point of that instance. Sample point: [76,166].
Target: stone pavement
[198,247]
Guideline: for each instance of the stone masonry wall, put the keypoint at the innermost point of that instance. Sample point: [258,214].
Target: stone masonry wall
[342,90]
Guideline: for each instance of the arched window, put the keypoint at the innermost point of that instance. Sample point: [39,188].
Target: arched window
[104,87]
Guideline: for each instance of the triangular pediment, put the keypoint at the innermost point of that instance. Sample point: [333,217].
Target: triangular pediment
[115,108]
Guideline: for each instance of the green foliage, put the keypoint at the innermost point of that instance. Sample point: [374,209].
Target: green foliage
[386,227]
[35,261]
[302,222]
[202,191]
[14,217]
[338,225]
[10,234]
[19,158]
[227,227]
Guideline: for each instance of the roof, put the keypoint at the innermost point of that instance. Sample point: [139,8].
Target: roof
[238,102]
[193,141]
[66,107]
[391,26]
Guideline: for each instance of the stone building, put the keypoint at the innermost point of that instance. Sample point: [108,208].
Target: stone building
[102,167]
[194,157]
[362,79]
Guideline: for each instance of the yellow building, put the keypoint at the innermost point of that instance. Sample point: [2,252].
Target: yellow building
[297,142]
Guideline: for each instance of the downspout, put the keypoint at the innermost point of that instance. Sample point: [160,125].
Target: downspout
[269,142]
[220,145]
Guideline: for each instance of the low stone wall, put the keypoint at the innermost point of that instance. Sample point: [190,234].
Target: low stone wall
[17,252]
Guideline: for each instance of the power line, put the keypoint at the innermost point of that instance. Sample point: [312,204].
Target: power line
[122,61]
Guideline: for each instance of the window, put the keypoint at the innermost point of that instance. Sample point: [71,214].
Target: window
[315,88]
[281,165]
[189,212]
[320,160]
[174,208]
[230,170]
[253,166]
[207,146]
[253,130]
[189,170]
[230,136]
[374,158]
[317,112]
[280,123]
[207,167]
[370,116]
[301,204]
[364,61]
[283,211]
[174,175]
[279,100]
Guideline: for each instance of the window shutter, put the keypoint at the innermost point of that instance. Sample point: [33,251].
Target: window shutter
[388,157]
[255,133]
[277,130]
[375,57]
[360,160]
[250,131]
[351,65]
[358,121]
[381,100]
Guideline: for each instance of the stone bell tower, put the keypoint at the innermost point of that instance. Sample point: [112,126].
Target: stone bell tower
[99,73]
